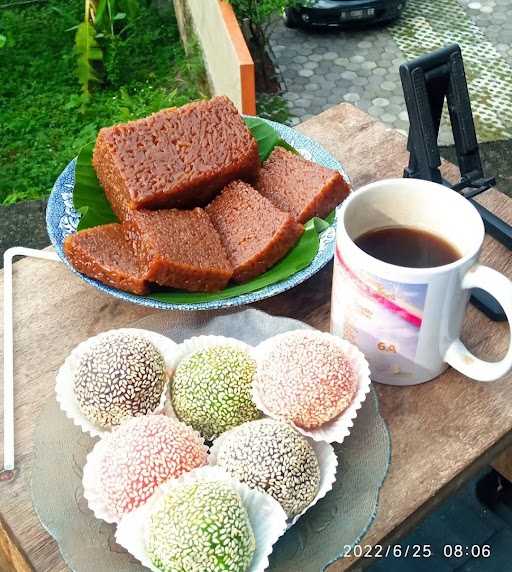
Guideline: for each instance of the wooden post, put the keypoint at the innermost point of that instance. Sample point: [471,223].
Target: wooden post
[12,558]
[247,76]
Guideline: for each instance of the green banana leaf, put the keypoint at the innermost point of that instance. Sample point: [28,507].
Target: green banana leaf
[266,137]
[89,52]
[88,196]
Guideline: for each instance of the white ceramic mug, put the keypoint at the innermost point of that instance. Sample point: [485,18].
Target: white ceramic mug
[407,321]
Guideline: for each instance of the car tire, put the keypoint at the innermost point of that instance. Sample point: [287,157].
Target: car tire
[291,18]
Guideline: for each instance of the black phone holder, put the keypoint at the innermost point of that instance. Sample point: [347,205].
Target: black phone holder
[427,82]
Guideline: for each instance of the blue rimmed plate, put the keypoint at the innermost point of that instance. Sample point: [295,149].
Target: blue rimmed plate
[62,219]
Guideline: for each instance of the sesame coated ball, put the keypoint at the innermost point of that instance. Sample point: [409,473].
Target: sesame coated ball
[141,454]
[305,378]
[212,390]
[272,457]
[201,527]
[122,375]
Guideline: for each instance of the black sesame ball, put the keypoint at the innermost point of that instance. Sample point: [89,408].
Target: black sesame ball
[122,375]
[272,457]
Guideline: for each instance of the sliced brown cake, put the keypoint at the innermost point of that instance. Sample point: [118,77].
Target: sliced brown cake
[105,253]
[176,157]
[300,187]
[180,248]
[253,231]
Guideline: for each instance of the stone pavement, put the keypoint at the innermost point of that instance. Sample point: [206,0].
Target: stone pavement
[493,18]
[23,224]
[429,25]
[323,67]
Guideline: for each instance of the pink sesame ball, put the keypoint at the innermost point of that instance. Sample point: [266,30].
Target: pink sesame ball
[305,378]
[141,454]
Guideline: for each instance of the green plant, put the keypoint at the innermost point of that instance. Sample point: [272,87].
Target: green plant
[114,17]
[259,15]
[273,107]
[104,22]
[88,52]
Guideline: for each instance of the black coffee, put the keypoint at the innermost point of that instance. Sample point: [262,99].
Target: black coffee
[406,246]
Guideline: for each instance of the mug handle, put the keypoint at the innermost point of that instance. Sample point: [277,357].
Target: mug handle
[457,355]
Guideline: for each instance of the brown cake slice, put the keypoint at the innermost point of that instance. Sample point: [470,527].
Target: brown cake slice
[175,158]
[253,231]
[105,253]
[300,187]
[180,248]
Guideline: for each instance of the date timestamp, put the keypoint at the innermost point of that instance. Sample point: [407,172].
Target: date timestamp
[417,551]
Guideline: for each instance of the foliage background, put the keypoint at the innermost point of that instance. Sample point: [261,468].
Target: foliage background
[41,125]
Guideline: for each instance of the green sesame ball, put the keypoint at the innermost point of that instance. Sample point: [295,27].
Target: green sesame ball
[211,390]
[201,527]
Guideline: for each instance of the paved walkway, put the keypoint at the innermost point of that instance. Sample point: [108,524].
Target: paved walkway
[23,224]
[323,67]
[493,18]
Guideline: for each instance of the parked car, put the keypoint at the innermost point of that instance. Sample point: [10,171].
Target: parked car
[343,12]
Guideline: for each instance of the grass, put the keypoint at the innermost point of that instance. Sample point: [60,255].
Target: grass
[41,126]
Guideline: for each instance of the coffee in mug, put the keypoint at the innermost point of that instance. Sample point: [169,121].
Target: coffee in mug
[407,246]
[406,259]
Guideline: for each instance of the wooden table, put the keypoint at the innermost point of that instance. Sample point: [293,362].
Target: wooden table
[442,432]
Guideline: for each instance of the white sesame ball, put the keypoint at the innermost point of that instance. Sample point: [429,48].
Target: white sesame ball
[211,390]
[201,527]
[122,375]
[272,457]
[305,378]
